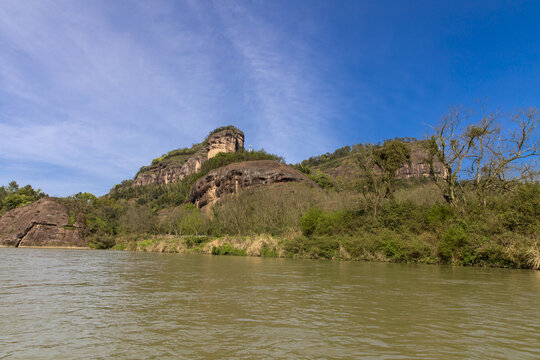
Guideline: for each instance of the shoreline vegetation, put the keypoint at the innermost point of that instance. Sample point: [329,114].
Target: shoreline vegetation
[467,195]
[337,249]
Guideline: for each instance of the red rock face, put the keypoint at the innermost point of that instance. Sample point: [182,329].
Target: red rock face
[161,174]
[43,223]
[234,177]
[224,141]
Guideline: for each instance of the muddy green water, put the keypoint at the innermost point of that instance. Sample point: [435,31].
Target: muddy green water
[65,304]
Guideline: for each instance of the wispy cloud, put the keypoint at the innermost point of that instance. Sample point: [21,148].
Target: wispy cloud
[288,102]
[99,88]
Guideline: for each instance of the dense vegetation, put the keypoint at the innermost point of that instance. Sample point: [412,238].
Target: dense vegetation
[484,209]
[13,196]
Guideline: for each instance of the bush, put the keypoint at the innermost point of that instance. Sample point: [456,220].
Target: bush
[101,241]
[402,215]
[455,238]
[439,213]
[521,210]
[321,179]
[310,221]
[227,249]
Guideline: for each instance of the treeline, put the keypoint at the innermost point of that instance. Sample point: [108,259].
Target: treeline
[330,160]
[13,196]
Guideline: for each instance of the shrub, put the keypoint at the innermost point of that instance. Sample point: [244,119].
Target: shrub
[395,215]
[454,238]
[227,249]
[321,179]
[439,213]
[269,252]
[100,241]
[310,221]
[521,210]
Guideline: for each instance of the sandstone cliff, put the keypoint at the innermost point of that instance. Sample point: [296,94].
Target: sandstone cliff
[42,223]
[173,167]
[234,177]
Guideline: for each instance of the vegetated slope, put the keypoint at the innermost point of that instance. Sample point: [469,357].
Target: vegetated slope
[400,201]
[349,163]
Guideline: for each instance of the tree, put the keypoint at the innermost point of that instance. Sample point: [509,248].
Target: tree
[13,187]
[483,152]
[379,167]
[138,219]
[451,145]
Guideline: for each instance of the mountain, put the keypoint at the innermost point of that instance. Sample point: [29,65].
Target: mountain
[381,202]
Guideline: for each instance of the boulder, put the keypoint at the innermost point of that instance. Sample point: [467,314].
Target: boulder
[234,177]
[45,222]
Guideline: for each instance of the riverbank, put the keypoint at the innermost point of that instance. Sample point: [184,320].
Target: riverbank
[50,247]
[380,248]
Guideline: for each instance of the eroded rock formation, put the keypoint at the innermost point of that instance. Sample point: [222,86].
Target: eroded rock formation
[42,223]
[418,166]
[234,177]
[164,172]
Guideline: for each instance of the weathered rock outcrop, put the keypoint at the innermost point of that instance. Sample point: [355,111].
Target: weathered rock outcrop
[234,177]
[42,223]
[224,141]
[166,172]
[418,166]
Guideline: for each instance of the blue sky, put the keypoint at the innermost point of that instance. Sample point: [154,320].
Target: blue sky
[92,90]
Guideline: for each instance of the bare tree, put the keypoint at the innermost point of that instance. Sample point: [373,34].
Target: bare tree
[482,153]
[520,143]
[451,145]
[484,137]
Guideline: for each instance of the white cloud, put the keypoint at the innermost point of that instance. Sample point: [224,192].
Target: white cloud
[98,88]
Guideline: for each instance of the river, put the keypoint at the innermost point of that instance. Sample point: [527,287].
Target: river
[65,304]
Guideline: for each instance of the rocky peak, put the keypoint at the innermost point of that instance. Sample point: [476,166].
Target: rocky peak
[230,140]
[164,171]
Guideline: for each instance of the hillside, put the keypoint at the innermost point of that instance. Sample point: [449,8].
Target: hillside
[384,202]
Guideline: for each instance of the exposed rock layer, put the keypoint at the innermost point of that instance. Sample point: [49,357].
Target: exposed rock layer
[234,177]
[42,223]
[165,173]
